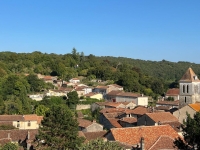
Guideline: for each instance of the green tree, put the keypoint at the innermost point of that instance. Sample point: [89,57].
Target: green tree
[9,146]
[36,84]
[41,110]
[59,129]
[191,133]
[72,99]
[99,144]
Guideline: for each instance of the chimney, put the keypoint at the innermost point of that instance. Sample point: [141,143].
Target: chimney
[142,144]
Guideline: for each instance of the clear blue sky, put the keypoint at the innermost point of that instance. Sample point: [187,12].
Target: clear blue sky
[139,29]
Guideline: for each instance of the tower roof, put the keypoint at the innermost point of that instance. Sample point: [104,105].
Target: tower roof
[189,76]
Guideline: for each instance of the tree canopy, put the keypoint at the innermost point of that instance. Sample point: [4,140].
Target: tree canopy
[59,129]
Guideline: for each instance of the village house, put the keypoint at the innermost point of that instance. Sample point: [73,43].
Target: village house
[190,109]
[159,118]
[37,97]
[59,92]
[173,93]
[119,96]
[74,80]
[24,138]
[31,121]
[98,96]
[128,122]
[167,104]
[89,126]
[145,137]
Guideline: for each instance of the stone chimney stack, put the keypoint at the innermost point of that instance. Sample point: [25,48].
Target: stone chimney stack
[142,144]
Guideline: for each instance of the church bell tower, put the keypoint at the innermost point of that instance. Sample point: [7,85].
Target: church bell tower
[189,86]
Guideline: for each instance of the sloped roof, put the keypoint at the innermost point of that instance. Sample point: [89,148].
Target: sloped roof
[11,118]
[173,92]
[83,122]
[101,87]
[195,106]
[94,135]
[17,135]
[114,92]
[91,94]
[164,142]
[114,122]
[150,134]
[168,102]
[115,85]
[189,76]
[110,110]
[162,117]
[113,104]
[140,110]
[129,119]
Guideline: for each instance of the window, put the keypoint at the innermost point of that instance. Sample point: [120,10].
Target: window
[187,88]
[185,99]
[183,88]
[18,124]
[29,123]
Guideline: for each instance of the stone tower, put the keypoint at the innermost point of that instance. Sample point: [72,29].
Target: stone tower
[189,86]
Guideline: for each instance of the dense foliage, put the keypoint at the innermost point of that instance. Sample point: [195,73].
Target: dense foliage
[99,144]
[18,76]
[59,129]
[191,133]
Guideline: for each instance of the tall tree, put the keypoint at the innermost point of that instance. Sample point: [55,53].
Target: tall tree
[72,99]
[191,133]
[59,129]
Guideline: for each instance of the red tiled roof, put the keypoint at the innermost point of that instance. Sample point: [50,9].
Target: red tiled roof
[116,85]
[47,78]
[110,110]
[114,92]
[150,134]
[114,122]
[164,142]
[189,76]
[168,102]
[17,135]
[140,110]
[175,125]
[162,117]
[101,87]
[129,119]
[11,118]
[83,122]
[173,92]
[113,104]
[94,135]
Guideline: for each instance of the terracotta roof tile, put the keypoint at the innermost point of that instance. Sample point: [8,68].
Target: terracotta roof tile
[164,142]
[195,106]
[114,93]
[162,117]
[140,110]
[174,91]
[114,122]
[175,103]
[189,76]
[129,119]
[101,87]
[110,110]
[150,134]
[94,135]
[91,94]
[11,118]
[83,122]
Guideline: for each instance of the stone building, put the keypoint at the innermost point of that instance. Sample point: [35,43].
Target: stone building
[189,88]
